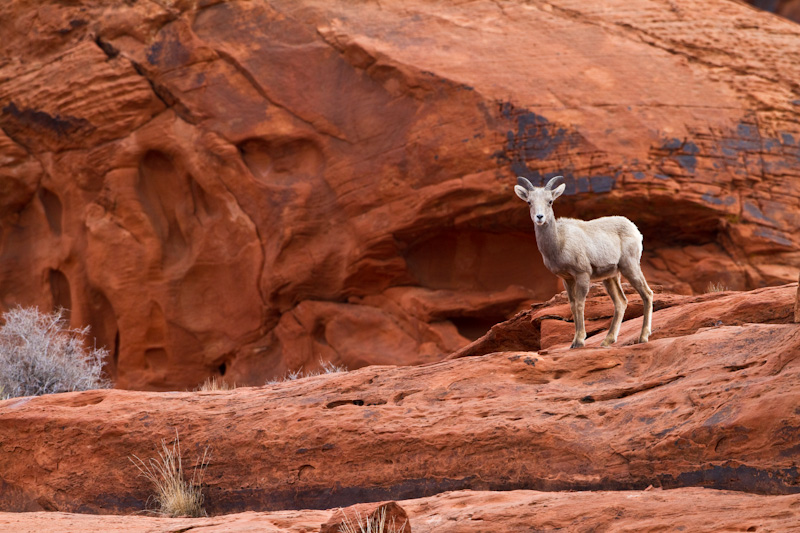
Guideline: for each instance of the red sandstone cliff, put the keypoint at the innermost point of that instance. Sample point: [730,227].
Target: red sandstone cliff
[250,187]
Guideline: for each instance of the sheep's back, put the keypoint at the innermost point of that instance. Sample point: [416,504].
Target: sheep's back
[602,241]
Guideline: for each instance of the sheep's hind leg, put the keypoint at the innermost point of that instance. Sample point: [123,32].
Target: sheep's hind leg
[579,292]
[614,290]
[636,279]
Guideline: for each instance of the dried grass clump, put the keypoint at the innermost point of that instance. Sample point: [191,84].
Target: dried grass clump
[213,383]
[326,367]
[39,355]
[376,524]
[175,496]
[716,287]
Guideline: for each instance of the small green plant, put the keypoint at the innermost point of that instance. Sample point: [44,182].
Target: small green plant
[174,495]
[716,287]
[326,368]
[39,355]
[376,524]
[213,383]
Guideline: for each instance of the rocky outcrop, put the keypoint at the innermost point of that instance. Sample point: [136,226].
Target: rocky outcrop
[551,324]
[233,188]
[710,405]
[690,509]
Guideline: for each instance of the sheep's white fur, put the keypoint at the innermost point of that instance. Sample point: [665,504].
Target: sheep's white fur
[582,251]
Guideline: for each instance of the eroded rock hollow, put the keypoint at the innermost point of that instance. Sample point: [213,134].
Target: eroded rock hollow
[248,188]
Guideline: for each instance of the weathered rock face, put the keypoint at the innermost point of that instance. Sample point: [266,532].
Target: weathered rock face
[240,188]
[710,405]
[689,509]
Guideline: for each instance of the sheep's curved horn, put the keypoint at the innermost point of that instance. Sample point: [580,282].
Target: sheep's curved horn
[524,183]
[552,183]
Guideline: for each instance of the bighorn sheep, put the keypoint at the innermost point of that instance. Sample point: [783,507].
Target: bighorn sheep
[580,251]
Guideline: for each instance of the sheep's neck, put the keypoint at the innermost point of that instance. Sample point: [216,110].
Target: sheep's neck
[547,241]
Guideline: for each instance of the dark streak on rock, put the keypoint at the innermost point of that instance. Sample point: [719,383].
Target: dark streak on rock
[61,125]
[728,476]
[745,478]
[166,96]
[108,49]
[229,501]
[534,139]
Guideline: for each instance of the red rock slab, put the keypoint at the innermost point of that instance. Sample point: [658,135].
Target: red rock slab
[716,408]
[550,325]
[304,521]
[771,305]
[688,509]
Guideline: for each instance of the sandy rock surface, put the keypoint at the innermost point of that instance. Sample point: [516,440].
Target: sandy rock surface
[238,188]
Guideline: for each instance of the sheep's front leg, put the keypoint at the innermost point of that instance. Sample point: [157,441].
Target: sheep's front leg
[579,292]
[569,285]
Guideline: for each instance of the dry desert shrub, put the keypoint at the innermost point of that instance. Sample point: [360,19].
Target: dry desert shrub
[39,354]
[213,383]
[376,524]
[716,287]
[174,495]
[326,368]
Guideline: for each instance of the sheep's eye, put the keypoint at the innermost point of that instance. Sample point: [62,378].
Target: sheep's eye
[550,202]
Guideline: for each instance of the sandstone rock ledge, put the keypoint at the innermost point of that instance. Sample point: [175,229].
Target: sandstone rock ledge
[690,509]
[705,406]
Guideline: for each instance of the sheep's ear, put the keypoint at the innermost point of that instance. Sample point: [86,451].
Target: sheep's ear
[521,191]
[558,191]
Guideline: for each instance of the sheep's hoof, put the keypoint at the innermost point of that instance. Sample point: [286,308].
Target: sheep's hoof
[576,344]
[607,342]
